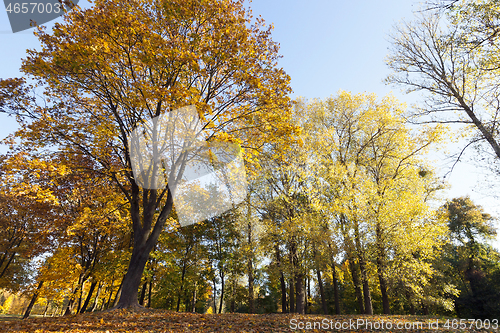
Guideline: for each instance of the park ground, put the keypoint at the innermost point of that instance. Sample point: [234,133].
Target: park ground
[168,321]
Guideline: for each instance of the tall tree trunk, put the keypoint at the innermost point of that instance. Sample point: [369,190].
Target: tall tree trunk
[89,296]
[72,298]
[187,300]
[96,299]
[381,271]
[130,286]
[366,287]
[149,292]
[143,293]
[383,288]
[80,296]
[46,309]
[108,303]
[284,307]
[308,294]
[233,294]
[364,273]
[222,289]
[300,293]
[251,304]
[195,297]
[293,283]
[146,235]
[183,275]
[69,307]
[292,295]
[353,267]
[118,294]
[15,244]
[33,300]
[321,292]
[215,295]
[336,295]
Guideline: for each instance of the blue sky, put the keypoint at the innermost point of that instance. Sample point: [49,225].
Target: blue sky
[327,45]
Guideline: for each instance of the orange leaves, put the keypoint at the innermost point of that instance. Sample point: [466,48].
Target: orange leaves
[149,321]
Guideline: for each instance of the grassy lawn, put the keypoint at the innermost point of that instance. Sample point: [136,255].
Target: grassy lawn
[167,321]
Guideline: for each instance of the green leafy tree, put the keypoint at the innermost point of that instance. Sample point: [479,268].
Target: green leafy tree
[475,265]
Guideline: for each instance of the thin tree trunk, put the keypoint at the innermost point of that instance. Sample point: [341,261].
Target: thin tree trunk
[89,296]
[349,246]
[366,288]
[336,295]
[215,296]
[251,305]
[96,300]
[308,294]
[195,296]
[33,300]
[71,301]
[143,293]
[183,275]
[108,303]
[149,292]
[69,307]
[284,307]
[233,289]
[321,292]
[8,264]
[222,290]
[46,309]
[383,289]
[300,292]
[187,300]
[364,273]
[55,310]
[14,245]
[80,296]
[380,271]
[293,283]
[118,295]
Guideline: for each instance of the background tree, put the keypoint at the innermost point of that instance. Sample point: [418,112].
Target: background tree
[455,66]
[474,263]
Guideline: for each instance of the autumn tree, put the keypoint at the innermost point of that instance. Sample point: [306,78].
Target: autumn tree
[474,264]
[370,168]
[107,69]
[288,213]
[451,56]
[27,213]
